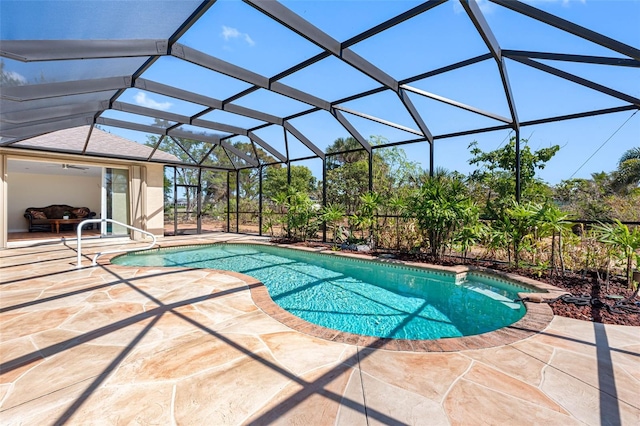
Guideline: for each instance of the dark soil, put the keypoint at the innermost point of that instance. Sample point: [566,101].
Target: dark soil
[604,304]
[597,301]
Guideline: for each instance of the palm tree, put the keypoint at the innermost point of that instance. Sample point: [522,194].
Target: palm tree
[355,152]
[628,174]
[556,222]
[626,242]
[441,207]
[332,215]
[523,218]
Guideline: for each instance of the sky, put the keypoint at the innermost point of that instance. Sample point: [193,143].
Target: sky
[235,32]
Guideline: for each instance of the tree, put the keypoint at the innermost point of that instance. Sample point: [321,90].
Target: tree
[441,207]
[627,176]
[625,241]
[584,198]
[599,198]
[367,216]
[346,183]
[275,180]
[332,215]
[10,78]
[339,146]
[496,173]
[393,173]
[556,222]
[522,219]
[298,214]
[470,235]
[348,172]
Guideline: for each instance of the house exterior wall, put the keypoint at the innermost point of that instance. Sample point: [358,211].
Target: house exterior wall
[3,201]
[154,199]
[40,190]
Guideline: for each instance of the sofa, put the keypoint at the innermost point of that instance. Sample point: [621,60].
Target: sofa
[39,217]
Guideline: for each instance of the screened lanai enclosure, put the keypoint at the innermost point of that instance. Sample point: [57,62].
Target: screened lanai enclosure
[250,98]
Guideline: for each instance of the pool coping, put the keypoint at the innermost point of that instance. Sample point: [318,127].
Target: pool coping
[537,317]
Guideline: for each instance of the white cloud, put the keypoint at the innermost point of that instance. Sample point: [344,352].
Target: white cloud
[142,100]
[229,33]
[14,77]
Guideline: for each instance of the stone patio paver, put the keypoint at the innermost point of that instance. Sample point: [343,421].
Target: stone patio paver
[126,345]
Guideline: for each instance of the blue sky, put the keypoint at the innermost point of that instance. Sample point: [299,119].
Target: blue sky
[237,33]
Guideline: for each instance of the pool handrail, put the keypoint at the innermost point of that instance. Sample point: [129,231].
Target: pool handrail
[95,258]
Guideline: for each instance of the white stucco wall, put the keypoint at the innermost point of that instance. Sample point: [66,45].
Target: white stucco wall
[155,199]
[3,201]
[39,190]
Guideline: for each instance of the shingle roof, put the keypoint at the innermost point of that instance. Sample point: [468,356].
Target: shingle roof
[101,143]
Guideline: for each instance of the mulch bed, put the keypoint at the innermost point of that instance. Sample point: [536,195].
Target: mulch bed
[596,290]
[586,287]
[603,298]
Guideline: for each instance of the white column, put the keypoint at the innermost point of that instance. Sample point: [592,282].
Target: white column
[3,201]
[138,191]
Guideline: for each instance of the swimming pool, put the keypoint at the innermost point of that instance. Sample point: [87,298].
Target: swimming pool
[358,296]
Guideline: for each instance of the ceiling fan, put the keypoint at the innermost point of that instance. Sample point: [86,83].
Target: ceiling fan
[71,166]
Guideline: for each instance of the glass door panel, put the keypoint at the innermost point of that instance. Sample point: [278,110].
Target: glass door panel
[116,204]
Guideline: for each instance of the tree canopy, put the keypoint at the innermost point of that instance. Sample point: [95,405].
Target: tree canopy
[496,173]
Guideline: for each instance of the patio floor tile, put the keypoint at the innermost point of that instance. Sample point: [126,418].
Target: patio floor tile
[125,345]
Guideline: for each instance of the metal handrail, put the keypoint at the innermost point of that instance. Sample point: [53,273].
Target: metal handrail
[95,258]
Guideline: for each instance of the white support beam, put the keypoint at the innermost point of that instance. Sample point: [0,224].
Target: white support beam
[455,103]
[380,120]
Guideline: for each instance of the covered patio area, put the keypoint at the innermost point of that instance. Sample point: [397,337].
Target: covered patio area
[113,344]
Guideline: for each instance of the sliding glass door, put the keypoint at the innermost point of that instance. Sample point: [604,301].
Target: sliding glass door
[115,204]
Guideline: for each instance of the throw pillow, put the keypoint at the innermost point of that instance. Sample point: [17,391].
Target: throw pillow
[38,214]
[80,212]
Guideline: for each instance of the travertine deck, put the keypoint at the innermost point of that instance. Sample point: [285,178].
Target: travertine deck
[123,345]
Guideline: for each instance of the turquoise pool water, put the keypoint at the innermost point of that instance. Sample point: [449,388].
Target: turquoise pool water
[357,296]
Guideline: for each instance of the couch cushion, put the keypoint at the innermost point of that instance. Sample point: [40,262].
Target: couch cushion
[80,212]
[36,214]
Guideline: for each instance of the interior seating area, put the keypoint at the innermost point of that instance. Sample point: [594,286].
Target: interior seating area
[44,218]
